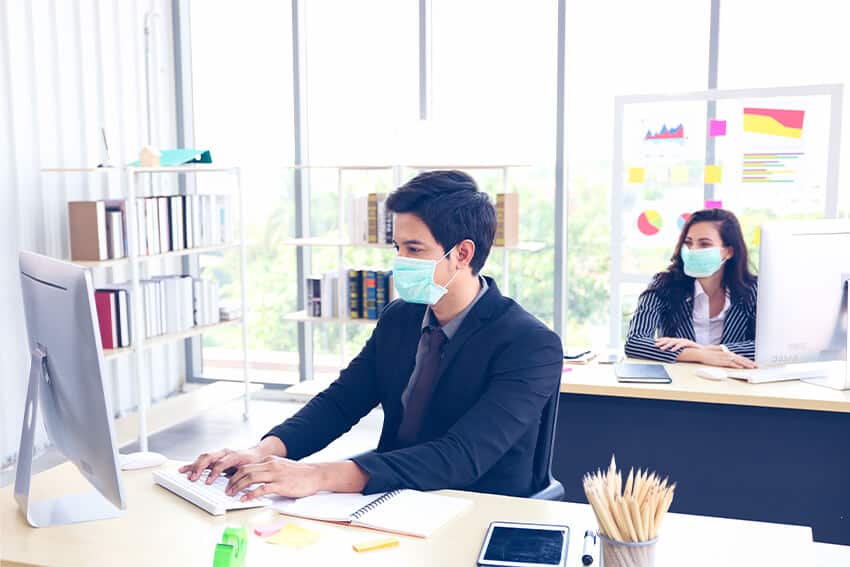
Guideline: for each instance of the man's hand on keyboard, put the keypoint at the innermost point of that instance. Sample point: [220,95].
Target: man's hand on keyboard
[219,461]
[277,476]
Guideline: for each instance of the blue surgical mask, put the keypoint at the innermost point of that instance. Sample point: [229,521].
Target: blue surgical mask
[701,262]
[414,280]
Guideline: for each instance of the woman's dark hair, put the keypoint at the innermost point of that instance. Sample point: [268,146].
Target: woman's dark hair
[452,207]
[674,285]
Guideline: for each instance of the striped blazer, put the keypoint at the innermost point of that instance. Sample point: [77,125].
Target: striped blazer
[739,326]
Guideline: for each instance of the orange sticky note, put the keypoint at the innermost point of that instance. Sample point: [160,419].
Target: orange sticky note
[375,544]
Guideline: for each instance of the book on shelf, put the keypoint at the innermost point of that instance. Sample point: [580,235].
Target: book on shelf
[348,294]
[113,315]
[369,220]
[507,219]
[87,228]
[170,304]
[169,223]
[355,287]
[369,308]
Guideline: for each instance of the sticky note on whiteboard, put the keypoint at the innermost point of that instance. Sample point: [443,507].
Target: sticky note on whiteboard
[716,128]
[679,174]
[713,204]
[637,175]
[713,174]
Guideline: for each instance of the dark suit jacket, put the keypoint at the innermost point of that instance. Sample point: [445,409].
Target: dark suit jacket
[481,426]
[739,327]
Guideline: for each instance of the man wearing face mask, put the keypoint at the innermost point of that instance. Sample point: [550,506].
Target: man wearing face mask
[461,371]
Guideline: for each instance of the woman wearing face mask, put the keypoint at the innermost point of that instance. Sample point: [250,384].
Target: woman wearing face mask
[703,307]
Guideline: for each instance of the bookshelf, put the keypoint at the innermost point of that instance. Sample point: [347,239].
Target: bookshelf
[115,262]
[170,337]
[341,243]
[304,318]
[130,176]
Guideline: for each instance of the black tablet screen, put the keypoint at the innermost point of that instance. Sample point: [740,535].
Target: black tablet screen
[525,545]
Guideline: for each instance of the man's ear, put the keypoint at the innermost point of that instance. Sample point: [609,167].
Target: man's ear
[465,253]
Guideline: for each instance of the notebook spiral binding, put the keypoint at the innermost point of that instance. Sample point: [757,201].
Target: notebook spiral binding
[374,504]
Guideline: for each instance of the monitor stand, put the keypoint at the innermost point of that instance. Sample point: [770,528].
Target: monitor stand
[63,510]
[839,373]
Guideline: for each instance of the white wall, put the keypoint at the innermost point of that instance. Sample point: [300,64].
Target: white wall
[68,67]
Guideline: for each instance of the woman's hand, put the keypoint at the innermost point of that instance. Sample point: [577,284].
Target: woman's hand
[675,344]
[720,357]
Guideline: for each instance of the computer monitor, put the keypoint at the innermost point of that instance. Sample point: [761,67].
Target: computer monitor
[66,383]
[804,267]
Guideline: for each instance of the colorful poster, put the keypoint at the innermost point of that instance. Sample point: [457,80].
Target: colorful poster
[677,133]
[716,128]
[637,175]
[713,174]
[774,122]
[770,167]
[650,222]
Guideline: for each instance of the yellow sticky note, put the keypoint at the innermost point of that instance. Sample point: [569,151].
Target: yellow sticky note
[679,174]
[375,544]
[662,175]
[713,173]
[293,535]
[637,174]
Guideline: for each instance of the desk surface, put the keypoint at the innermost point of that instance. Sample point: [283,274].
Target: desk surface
[599,380]
[160,528]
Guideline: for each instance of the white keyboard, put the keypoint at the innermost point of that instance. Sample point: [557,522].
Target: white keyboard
[210,497]
[782,373]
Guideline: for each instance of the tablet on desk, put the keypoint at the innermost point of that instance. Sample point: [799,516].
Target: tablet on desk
[642,373]
[510,544]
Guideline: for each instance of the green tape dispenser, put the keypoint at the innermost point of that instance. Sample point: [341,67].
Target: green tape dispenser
[233,548]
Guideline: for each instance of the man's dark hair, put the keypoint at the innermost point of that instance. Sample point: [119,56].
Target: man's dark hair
[452,207]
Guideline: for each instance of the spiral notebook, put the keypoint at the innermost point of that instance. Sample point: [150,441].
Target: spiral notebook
[405,512]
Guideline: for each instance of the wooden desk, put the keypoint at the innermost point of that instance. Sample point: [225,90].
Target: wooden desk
[162,529]
[775,452]
[599,380]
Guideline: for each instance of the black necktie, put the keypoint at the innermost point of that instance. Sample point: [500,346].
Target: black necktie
[411,423]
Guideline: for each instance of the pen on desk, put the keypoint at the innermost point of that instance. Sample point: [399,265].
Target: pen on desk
[587,550]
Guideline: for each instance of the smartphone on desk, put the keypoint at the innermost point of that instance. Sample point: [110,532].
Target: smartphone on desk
[512,544]
[610,358]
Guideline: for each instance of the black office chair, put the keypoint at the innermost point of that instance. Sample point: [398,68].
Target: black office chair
[546,486]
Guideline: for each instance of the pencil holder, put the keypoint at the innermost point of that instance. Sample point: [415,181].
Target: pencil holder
[626,553]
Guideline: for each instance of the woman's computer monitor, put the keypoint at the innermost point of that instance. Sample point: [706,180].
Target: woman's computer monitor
[66,389]
[804,267]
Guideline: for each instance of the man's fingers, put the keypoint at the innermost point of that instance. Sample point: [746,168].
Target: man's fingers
[247,480]
[261,490]
[223,463]
[202,462]
[241,473]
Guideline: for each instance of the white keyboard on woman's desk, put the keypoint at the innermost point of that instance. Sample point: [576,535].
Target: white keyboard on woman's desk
[783,373]
[210,497]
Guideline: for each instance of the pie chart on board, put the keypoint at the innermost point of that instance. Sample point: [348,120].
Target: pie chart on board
[649,222]
[682,219]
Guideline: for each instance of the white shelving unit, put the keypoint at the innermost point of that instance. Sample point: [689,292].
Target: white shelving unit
[135,261]
[341,243]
